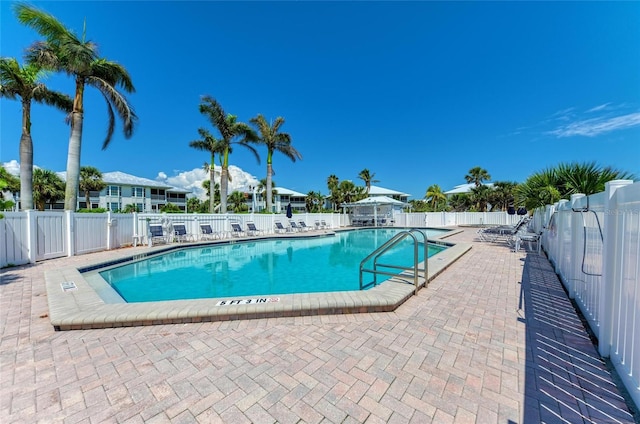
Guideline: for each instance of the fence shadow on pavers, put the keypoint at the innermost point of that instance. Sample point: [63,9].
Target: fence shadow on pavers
[565,378]
[8,278]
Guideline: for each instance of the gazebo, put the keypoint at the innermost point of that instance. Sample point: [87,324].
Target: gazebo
[375,210]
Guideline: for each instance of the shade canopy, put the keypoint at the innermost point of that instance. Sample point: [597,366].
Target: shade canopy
[377,200]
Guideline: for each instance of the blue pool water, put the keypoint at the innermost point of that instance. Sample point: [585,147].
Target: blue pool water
[265,267]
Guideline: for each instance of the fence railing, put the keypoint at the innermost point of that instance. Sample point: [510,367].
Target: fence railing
[594,244]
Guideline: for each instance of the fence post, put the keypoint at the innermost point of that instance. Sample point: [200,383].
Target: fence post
[109,222]
[576,246]
[610,273]
[70,224]
[32,236]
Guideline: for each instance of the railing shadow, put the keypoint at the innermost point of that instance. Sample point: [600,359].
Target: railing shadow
[565,379]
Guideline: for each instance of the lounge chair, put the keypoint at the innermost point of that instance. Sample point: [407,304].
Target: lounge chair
[236,230]
[501,232]
[156,234]
[294,226]
[279,227]
[324,224]
[318,225]
[207,233]
[180,233]
[252,230]
[303,226]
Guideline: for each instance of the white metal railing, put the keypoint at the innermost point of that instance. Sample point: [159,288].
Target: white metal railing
[594,244]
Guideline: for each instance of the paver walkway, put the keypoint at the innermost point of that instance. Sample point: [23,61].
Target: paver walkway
[492,339]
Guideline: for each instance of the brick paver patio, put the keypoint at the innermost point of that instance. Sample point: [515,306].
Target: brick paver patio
[492,339]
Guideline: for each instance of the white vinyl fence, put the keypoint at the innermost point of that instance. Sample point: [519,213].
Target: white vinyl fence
[594,244]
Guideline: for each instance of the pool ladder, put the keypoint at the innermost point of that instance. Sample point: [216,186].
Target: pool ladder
[388,245]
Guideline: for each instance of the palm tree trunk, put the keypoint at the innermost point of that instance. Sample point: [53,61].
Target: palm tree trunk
[224,183]
[269,190]
[87,198]
[73,163]
[211,184]
[26,160]
[75,143]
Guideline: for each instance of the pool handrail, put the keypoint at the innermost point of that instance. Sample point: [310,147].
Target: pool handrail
[388,245]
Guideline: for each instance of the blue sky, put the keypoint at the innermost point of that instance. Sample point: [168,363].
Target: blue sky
[416,92]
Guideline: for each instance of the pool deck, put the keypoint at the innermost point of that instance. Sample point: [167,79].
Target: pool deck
[493,338]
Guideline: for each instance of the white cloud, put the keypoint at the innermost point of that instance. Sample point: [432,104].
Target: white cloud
[599,107]
[596,126]
[12,167]
[192,180]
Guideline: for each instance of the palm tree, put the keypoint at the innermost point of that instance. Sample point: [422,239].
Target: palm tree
[48,187]
[90,180]
[275,141]
[477,176]
[481,196]
[539,189]
[314,201]
[24,82]
[237,201]
[435,196]
[212,145]
[502,195]
[460,202]
[332,184]
[232,132]
[367,177]
[131,208]
[63,51]
[8,182]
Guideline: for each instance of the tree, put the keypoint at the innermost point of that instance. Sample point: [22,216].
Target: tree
[131,208]
[90,180]
[48,187]
[193,204]
[460,202]
[24,82]
[238,202]
[314,201]
[477,176]
[275,141]
[63,51]
[332,184]
[209,143]
[367,177]
[232,132]
[435,196]
[170,208]
[8,183]
[502,195]
[548,186]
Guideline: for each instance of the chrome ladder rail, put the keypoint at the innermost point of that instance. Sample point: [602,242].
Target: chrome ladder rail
[388,245]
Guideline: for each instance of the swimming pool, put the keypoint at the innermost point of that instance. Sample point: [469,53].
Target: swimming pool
[256,268]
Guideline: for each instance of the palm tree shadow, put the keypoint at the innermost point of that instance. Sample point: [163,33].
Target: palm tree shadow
[566,380]
[8,278]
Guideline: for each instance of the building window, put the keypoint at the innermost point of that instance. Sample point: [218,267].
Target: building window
[114,206]
[113,191]
[140,207]
[137,192]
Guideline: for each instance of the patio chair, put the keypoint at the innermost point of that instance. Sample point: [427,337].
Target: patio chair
[207,233]
[324,224]
[156,234]
[279,227]
[252,230]
[294,226]
[303,226]
[180,233]
[236,230]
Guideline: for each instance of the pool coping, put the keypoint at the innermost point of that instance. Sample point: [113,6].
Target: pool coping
[75,305]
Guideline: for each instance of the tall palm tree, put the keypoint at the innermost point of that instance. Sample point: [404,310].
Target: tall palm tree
[209,143]
[477,176]
[262,187]
[367,177]
[90,180]
[24,82]
[314,201]
[502,195]
[275,141]
[232,132]
[435,196]
[48,187]
[63,51]
[332,184]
